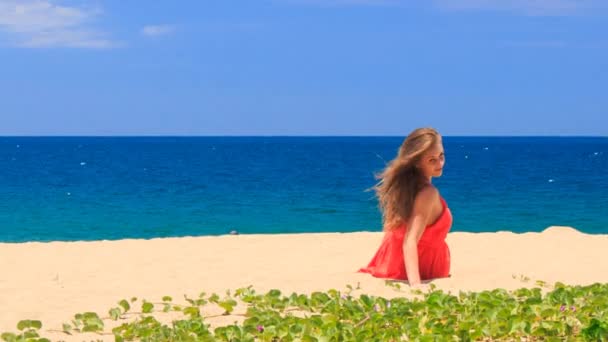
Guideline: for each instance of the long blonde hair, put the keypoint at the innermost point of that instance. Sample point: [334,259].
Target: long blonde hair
[401,180]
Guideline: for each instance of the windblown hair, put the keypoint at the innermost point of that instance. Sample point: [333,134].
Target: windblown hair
[401,180]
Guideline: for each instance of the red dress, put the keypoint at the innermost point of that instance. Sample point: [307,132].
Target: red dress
[433,252]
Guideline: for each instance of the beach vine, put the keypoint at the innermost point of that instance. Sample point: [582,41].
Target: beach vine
[565,313]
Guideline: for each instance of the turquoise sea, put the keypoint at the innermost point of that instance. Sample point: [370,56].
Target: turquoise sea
[92,188]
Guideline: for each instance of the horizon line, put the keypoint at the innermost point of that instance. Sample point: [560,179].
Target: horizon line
[298,136]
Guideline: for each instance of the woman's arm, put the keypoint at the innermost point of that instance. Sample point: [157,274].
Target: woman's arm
[419,219]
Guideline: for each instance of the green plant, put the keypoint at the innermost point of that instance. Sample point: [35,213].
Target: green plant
[564,313]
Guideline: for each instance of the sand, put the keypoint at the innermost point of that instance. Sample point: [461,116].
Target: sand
[53,281]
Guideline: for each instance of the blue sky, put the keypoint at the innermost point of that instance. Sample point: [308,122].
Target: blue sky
[303,67]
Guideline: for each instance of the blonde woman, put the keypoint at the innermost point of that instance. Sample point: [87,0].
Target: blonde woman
[416,219]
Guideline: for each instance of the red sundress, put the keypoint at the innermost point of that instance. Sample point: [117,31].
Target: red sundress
[433,251]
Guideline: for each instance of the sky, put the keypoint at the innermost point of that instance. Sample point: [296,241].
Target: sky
[303,67]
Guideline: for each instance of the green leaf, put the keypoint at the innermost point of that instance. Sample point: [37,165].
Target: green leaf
[92,322]
[192,311]
[125,305]
[30,334]
[214,298]
[115,313]
[227,305]
[24,324]
[518,326]
[147,307]
[9,337]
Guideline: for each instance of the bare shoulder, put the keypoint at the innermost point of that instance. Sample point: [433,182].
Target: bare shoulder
[427,196]
[422,212]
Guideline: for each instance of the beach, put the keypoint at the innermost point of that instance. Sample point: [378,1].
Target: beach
[51,281]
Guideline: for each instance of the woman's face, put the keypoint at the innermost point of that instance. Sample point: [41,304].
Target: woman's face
[432,161]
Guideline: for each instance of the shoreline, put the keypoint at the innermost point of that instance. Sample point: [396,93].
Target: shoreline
[550,228]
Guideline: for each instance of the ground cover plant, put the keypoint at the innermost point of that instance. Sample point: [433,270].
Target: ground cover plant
[548,313]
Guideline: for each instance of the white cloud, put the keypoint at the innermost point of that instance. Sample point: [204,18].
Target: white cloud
[527,7]
[41,23]
[156,30]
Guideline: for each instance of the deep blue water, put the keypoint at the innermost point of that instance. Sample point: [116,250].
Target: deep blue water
[91,188]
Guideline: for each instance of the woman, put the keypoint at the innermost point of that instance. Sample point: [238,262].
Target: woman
[415,217]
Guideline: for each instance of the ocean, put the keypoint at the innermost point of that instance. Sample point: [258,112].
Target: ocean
[97,188]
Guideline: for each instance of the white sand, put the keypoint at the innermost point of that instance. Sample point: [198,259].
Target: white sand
[53,281]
